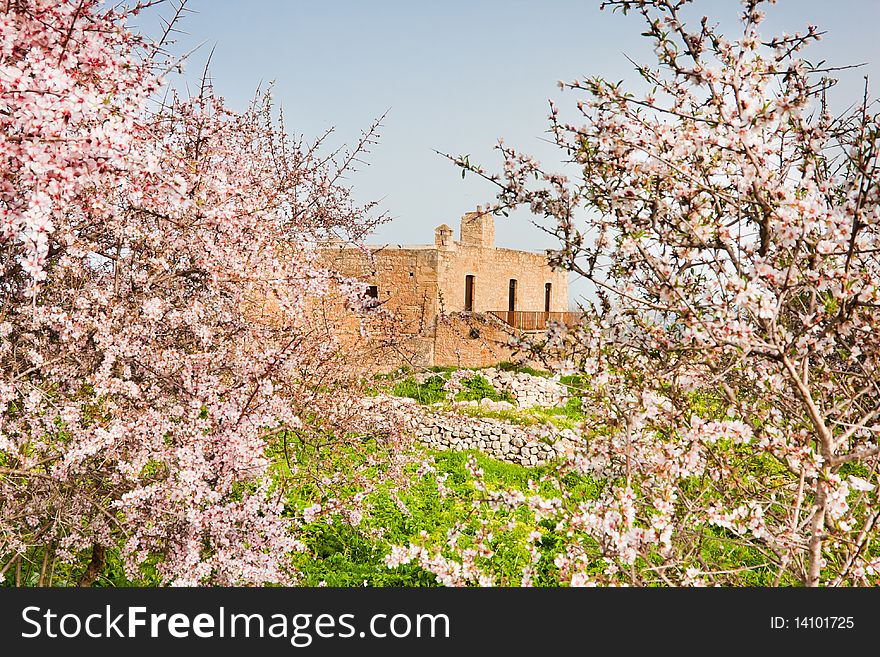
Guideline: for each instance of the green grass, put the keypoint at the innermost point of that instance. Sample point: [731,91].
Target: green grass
[569,416]
[342,555]
[429,392]
[402,379]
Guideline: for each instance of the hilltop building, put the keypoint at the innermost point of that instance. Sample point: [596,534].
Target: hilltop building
[457,301]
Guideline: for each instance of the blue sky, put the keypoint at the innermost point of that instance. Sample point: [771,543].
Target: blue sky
[454,77]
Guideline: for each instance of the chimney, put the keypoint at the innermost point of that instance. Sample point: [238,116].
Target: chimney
[478,229]
[443,236]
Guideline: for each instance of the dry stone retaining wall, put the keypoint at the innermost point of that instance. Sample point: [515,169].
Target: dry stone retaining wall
[528,390]
[505,441]
[500,440]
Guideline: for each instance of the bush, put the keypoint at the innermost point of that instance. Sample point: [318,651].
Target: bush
[478,387]
[429,392]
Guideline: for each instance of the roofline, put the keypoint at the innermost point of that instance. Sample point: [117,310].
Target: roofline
[421,247]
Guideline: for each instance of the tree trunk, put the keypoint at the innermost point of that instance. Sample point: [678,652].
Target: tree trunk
[94,568]
[817,529]
[44,568]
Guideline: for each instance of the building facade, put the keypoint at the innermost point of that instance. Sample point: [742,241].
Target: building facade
[456,302]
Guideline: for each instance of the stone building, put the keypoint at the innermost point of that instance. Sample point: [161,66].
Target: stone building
[456,302]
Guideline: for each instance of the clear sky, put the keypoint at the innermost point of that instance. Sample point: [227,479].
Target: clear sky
[455,76]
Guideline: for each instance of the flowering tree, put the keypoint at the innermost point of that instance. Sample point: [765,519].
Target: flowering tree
[729,224]
[159,349]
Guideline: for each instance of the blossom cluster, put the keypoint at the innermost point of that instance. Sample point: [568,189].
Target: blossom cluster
[730,227]
[160,333]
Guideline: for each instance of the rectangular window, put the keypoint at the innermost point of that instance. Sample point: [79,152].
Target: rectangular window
[547,288]
[468,293]
[511,295]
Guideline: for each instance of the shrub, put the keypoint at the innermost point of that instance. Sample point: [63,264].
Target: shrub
[429,392]
[477,387]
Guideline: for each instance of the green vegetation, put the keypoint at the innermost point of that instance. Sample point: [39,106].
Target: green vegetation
[507,366]
[424,511]
[427,507]
[429,392]
[344,555]
[402,383]
[478,387]
[569,416]
[432,390]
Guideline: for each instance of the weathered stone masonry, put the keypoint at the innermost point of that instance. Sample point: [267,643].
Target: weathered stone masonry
[505,441]
[443,294]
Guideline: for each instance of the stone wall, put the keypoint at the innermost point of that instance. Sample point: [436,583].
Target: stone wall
[505,441]
[470,340]
[406,280]
[526,445]
[475,254]
[406,287]
[492,269]
[500,440]
[477,229]
[527,390]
